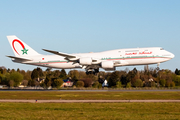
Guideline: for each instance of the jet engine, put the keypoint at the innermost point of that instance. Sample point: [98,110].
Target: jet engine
[107,64]
[85,61]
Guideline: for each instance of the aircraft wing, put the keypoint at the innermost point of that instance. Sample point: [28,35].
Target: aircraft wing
[67,56]
[20,58]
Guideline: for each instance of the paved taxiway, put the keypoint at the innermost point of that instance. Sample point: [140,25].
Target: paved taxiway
[105,90]
[88,101]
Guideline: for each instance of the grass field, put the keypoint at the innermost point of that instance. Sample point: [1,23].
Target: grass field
[55,95]
[101,111]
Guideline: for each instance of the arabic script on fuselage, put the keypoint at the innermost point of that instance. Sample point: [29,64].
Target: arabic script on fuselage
[138,53]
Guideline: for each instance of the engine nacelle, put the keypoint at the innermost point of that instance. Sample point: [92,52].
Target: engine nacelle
[85,61]
[107,65]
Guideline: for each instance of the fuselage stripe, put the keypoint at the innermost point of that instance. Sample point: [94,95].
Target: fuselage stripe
[109,59]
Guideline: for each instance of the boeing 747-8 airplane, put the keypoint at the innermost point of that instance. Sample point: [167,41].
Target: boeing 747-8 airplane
[91,62]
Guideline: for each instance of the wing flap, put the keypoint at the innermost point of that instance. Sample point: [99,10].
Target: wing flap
[67,56]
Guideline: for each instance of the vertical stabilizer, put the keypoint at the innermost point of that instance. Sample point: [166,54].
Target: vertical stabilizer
[20,48]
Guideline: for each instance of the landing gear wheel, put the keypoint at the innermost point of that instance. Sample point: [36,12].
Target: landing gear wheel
[96,71]
[157,68]
[87,73]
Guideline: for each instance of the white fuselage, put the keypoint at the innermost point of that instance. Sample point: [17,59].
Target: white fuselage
[91,62]
[120,57]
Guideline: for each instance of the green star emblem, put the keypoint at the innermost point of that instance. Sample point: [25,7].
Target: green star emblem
[24,51]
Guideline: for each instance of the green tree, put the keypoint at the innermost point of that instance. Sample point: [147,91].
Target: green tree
[16,77]
[118,84]
[40,72]
[31,82]
[3,70]
[162,82]
[123,79]
[79,84]
[1,78]
[43,85]
[57,82]
[100,85]
[27,75]
[135,71]
[37,73]
[95,84]
[172,84]
[18,70]
[130,76]
[56,73]
[74,79]
[176,80]
[138,83]
[177,72]
[74,74]
[113,79]
[13,70]
[47,71]
[128,85]
[34,74]
[48,81]
[168,83]
[5,79]
[63,74]
[152,84]
[11,83]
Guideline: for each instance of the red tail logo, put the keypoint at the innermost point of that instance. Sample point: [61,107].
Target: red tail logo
[24,50]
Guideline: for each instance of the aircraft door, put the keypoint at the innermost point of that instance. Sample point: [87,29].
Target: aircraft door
[121,54]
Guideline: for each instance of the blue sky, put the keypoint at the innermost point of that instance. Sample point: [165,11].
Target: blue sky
[77,26]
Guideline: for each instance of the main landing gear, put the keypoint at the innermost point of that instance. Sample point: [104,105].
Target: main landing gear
[92,71]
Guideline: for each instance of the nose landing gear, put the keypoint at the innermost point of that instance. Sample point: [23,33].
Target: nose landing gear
[158,67]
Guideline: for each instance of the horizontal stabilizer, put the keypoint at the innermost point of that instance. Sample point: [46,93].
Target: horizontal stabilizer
[68,56]
[20,58]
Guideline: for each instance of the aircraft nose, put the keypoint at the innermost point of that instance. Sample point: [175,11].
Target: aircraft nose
[172,55]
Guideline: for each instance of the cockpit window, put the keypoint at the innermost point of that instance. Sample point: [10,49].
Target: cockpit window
[161,48]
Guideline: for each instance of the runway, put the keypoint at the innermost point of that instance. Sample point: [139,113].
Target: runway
[99,90]
[91,101]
